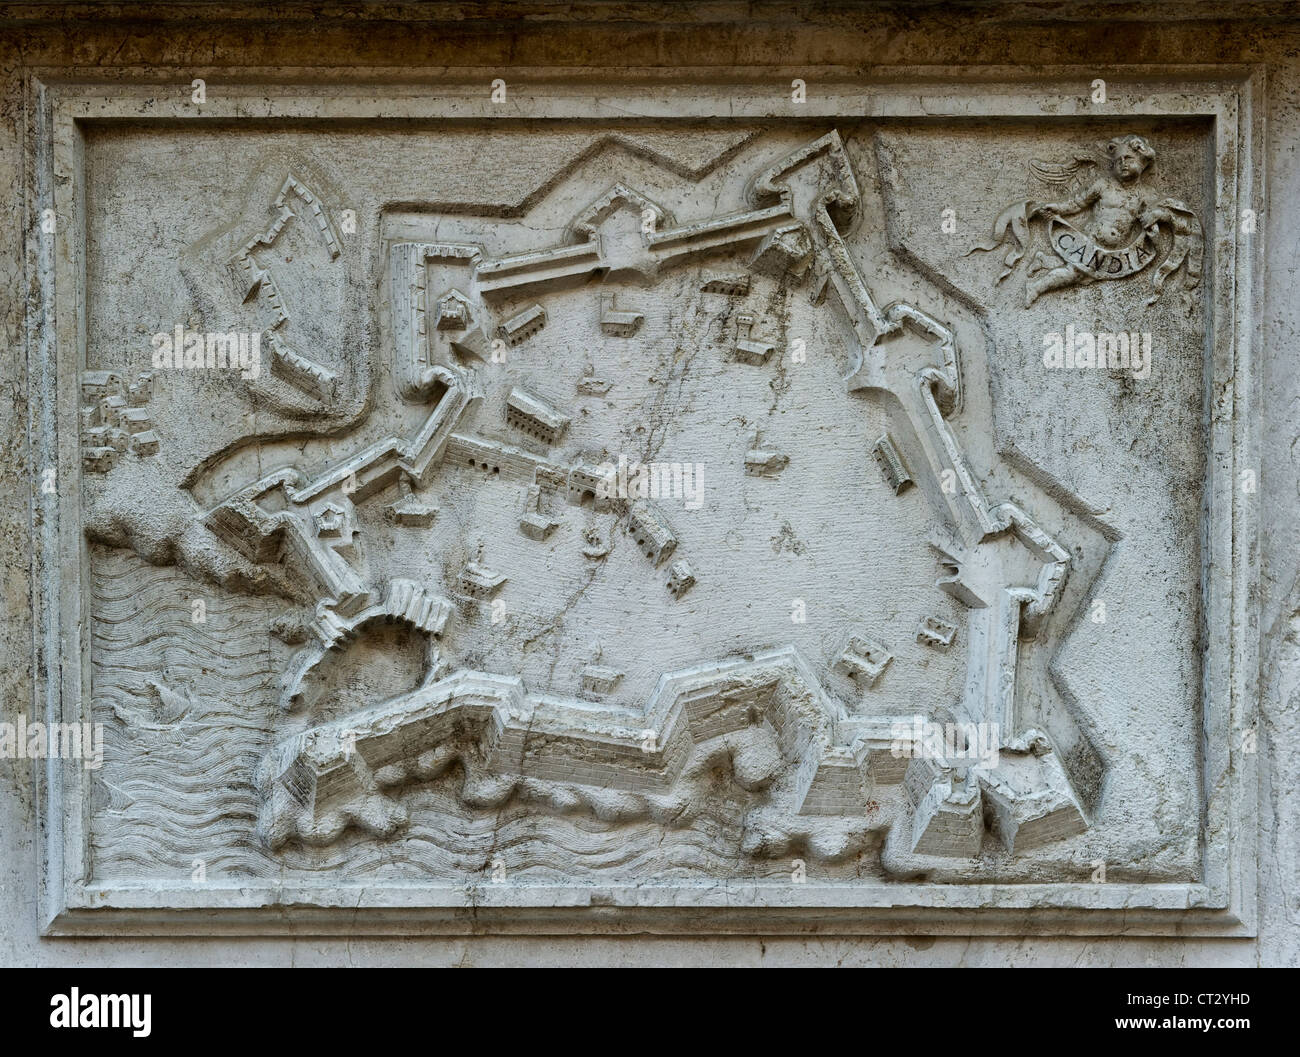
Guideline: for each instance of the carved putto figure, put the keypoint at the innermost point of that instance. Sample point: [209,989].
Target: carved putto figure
[1123,228]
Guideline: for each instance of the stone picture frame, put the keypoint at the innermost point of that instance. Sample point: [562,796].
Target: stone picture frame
[62,103]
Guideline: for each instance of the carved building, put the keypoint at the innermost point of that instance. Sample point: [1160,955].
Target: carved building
[534,417]
[651,532]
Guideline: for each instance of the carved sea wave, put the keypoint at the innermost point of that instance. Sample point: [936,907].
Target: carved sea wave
[178,799]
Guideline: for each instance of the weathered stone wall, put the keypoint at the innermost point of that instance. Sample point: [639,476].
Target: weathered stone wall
[1122,470]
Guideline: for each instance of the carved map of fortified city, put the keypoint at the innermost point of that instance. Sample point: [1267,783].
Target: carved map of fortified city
[648,529]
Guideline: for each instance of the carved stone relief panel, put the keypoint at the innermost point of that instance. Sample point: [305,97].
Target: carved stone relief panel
[769,524]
